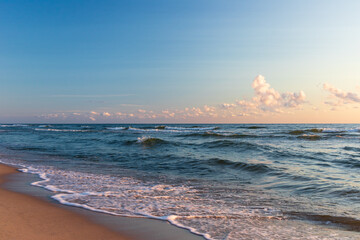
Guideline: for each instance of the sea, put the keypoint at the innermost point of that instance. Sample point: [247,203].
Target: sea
[220,181]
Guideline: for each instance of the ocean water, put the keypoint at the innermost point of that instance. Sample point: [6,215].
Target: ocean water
[240,181]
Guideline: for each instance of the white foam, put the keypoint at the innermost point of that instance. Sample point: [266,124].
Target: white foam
[173,129]
[143,139]
[132,197]
[339,130]
[116,128]
[191,128]
[14,125]
[227,216]
[60,130]
[150,130]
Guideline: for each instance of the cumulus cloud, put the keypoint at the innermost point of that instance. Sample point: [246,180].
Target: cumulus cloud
[269,99]
[340,95]
[266,99]
[106,114]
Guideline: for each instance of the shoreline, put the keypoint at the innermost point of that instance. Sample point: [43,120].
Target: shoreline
[27,217]
[16,185]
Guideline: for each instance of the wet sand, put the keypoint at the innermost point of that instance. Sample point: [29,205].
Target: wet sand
[27,218]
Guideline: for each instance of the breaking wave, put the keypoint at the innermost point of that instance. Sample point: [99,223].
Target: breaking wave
[150,141]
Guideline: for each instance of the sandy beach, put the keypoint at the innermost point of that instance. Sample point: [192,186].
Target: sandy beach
[26,217]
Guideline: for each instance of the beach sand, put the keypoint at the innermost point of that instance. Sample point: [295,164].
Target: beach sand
[26,217]
[28,212]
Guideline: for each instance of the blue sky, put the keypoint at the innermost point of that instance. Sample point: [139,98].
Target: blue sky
[131,61]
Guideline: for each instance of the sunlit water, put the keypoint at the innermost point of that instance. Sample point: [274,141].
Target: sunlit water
[221,181]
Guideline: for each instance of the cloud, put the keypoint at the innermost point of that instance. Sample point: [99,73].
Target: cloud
[227,105]
[106,114]
[168,114]
[209,109]
[341,96]
[265,100]
[268,99]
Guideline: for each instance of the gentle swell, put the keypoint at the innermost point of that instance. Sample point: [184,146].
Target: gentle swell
[257,168]
[309,137]
[347,223]
[218,135]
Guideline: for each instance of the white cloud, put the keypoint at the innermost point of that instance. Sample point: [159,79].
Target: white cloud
[227,105]
[209,109]
[340,95]
[293,99]
[266,99]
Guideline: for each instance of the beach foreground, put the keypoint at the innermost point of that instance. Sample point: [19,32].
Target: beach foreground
[25,217]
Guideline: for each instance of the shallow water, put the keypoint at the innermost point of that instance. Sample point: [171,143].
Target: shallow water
[236,181]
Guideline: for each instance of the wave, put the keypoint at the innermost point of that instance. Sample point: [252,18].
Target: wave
[152,130]
[192,128]
[60,130]
[117,128]
[324,130]
[337,130]
[30,148]
[256,127]
[348,162]
[245,146]
[163,128]
[311,137]
[355,149]
[299,132]
[251,167]
[218,135]
[44,126]
[348,223]
[150,141]
[14,125]
[145,141]
[199,208]
[180,204]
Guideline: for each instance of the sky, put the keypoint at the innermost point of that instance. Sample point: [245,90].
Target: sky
[167,61]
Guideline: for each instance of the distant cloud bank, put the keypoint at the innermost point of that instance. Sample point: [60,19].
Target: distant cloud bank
[340,97]
[266,100]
